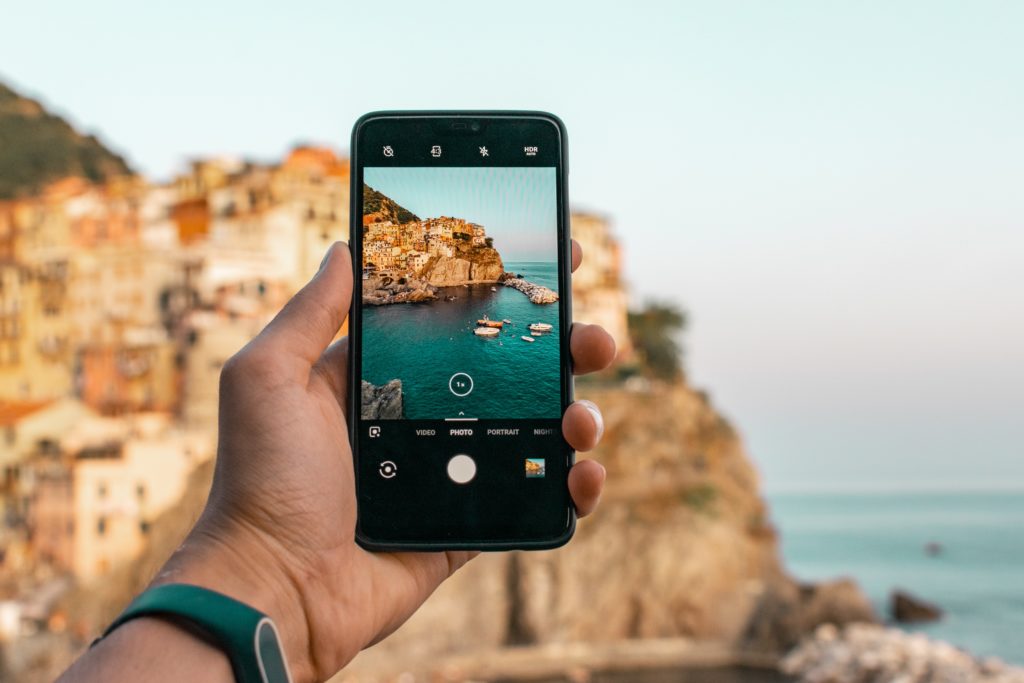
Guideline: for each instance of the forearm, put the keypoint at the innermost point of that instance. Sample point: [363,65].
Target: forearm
[153,650]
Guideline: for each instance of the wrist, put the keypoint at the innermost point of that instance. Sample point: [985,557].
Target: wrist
[150,649]
[237,562]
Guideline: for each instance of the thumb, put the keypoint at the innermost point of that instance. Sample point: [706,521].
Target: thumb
[310,320]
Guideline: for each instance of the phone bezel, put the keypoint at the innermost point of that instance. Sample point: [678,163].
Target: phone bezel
[354,331]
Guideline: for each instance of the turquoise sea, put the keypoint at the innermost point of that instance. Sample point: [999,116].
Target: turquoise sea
[425,344]
[879,539]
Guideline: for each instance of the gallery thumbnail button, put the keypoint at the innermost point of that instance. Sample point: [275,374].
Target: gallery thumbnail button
[460,384]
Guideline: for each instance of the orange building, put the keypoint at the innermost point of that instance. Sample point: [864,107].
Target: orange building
[92,504]
[192,216]
[124,378]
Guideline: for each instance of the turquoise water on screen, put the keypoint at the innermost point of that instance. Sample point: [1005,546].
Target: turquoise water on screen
[425,344]
[879,539]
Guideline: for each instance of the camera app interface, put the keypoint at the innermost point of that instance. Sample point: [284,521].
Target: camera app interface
[460,291]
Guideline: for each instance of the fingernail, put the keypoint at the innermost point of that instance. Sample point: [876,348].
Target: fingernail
[595,413]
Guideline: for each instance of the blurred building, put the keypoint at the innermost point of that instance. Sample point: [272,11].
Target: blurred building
[35,353]
[120,304]
[598,288]
[93,497]
[273,223]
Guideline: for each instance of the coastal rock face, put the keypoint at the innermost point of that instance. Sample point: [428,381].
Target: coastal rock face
[863,653]
[908,609]
[681,546]
[477,265]
[380,290]
[382,402]
[790,611]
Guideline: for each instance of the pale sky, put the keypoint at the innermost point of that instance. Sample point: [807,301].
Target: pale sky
[834,190]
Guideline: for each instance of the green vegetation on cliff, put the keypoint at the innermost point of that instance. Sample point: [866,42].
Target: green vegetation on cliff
[37,147]
[654,331]
[375,202]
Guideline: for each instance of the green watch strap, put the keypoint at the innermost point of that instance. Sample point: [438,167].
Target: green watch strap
[248,637]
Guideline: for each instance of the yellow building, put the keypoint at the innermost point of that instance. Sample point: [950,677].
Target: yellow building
[598,289]
[91,510]
[36,361]
[25,425]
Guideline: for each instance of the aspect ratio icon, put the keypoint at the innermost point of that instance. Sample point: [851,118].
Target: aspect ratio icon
[388,469]
[460,384]
[435,151]
[389,151]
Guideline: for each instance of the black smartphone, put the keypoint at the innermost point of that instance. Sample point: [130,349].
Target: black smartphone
[459,330]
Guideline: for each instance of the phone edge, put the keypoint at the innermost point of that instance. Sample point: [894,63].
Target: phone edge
[565,302]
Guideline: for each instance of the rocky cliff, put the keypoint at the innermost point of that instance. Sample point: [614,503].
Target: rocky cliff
[682,546]
[467,266]
[382,402]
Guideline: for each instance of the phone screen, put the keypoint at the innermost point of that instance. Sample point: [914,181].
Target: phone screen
[460,345]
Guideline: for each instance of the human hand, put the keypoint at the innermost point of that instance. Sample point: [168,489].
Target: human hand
[278,531]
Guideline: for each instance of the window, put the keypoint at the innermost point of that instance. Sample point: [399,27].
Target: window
[102,490]
[144,527]
[140,491]
[101,526]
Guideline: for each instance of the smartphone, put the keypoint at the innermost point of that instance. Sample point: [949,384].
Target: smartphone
[459,330]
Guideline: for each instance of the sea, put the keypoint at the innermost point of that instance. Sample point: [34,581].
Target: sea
[881,539]
[426,344]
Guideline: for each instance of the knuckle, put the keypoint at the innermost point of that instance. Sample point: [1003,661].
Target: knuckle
[233,367]
[246,364]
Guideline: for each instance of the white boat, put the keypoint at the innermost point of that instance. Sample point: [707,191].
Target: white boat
[507,321]
[529,339]
[536,334]
[494,289]
[540,327]
[486,331]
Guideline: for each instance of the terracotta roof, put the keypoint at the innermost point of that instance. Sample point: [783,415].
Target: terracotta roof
[12,412]
[66,188]
[321,159]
